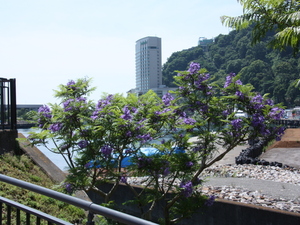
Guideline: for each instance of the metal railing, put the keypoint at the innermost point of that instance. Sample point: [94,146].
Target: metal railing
[92,208]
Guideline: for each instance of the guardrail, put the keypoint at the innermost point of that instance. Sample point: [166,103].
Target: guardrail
[92,208]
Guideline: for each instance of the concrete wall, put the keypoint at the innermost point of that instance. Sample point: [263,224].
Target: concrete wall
[8,141]
[222,212]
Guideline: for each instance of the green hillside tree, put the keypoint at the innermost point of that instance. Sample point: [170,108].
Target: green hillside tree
[281,16]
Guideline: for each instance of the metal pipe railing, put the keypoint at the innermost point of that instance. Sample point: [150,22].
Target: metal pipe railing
[86,205]
[31,211]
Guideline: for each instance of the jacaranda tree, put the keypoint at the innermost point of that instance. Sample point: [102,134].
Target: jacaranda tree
[99,140]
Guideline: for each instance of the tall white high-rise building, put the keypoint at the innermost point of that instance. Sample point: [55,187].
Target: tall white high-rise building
[148,64]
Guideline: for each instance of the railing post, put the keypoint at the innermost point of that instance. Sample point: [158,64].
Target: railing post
[13,104]
[90,219]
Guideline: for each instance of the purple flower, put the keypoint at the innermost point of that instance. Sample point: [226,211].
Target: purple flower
[189,164]
[197,148]
[82,144]
[126,115]
[279,133]
[167,98]
[163,111]
[194,68]
[239,82]
[276,113]
[257,102]
[100,105]
[69,187]
[210,201]
[81,99]
[70,83]
[225,112]
[129,134]
[67,106]
[239,94]
[189,121]
[237,124]
[89,165]
[269,102]
[106,151]
[123,179]
[144,162]
[199,82]
[257,120]
[55,127]
[145,137]
[229,80]
[187,188]
[45,111]
[166,171]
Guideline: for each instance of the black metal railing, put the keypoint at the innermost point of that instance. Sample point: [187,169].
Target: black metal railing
[8,104]
[288,123]
[38,215]
[92,208]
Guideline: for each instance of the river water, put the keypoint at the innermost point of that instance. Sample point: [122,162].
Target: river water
[57,159]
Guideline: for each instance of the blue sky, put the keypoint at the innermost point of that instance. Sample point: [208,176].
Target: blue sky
[44,43]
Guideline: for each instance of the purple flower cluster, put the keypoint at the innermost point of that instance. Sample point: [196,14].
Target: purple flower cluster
[106,151]
[167,98]
[100,105]
[210,201]
[144,162]
[237,124]
[163,111]
[279,133]
[276,113]
[82,144]
[55,127]
[67,105]
[92,164]
[145,137]
[257,120]
[257,102]
[81,99]
[194,68]
[199,82]
[202,106]
[198,148]
[189,164]
[225,113]
[45,111]
[123,179]
[127,113]
[69,188]
[189,121]
[71,83]
[229,80]
[239,94]
[187,188]
[166,171]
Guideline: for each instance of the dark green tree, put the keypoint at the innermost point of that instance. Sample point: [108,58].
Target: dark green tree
[281,16]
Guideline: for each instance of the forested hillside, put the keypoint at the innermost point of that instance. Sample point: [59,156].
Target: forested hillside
[269,71]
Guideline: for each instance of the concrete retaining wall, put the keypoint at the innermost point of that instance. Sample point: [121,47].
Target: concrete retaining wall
[222,212]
